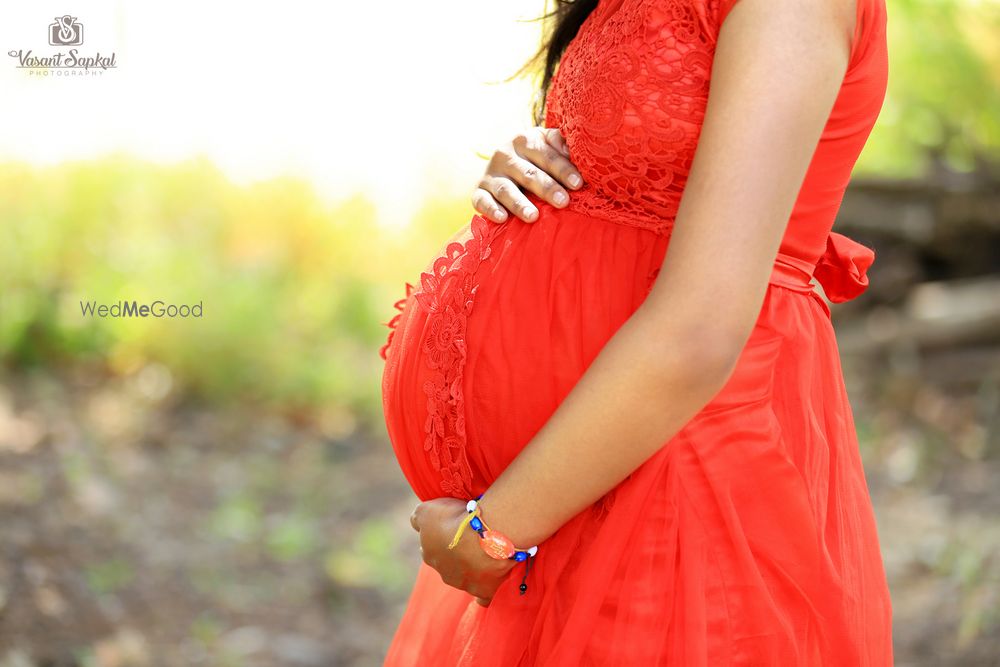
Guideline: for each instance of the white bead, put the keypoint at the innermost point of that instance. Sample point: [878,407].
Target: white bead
[532,551]
[470,506]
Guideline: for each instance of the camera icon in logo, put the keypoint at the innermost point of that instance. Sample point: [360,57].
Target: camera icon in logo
[65,32]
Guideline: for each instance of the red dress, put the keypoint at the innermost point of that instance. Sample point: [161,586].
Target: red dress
[749,537]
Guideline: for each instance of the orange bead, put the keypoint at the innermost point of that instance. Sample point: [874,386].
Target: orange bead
[496,545]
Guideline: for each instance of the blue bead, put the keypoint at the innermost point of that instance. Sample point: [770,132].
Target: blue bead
[520,555]
[476,524]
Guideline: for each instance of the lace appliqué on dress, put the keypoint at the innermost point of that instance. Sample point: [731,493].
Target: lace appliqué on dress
[399,305]
[446,294]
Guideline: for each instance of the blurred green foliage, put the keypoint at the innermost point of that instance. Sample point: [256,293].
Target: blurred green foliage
[370,559]
[943,101]
[295,291]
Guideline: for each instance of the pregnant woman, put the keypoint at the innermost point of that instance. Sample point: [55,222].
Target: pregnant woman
[623,409]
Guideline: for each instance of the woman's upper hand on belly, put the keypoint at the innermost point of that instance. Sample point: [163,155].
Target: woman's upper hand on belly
[536,160]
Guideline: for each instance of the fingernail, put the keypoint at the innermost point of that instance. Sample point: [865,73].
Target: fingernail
[529,212]
[560,198]
[499,215]
[574,180]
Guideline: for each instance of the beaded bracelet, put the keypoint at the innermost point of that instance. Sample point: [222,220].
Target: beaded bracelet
[494,543]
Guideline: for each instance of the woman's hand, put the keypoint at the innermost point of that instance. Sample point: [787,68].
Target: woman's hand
[466,567]
[536,160]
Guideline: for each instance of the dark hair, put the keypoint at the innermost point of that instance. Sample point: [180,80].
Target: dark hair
[563,22]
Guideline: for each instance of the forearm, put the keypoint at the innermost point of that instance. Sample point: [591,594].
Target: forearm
[632,399]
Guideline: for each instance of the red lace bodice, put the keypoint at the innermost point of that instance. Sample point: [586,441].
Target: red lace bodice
[630,94]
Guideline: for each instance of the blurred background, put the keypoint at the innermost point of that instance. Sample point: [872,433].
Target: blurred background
[220,490]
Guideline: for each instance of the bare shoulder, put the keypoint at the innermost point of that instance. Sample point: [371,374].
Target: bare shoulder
[796,20]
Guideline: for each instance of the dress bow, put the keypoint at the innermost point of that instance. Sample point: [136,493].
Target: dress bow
[843,268]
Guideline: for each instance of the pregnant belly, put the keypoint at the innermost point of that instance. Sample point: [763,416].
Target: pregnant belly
[498,330]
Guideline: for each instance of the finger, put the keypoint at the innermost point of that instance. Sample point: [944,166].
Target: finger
[485,204]
[534,179]
[510,197]
[550,161]
[555,138]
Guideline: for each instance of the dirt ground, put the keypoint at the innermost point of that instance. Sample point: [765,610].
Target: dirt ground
[140,530]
